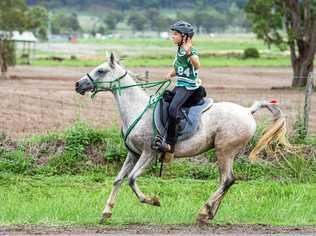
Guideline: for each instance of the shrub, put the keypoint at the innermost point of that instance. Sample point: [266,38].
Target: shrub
[251,53]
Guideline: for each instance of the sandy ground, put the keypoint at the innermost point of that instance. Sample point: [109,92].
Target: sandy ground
[159,230]
[37,100]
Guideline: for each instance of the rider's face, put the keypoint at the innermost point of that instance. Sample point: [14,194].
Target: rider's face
[176,37]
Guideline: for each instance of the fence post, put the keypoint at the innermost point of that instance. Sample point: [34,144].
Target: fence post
[307,104]
[147,76]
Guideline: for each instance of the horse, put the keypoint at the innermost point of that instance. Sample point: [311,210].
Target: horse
[226,127]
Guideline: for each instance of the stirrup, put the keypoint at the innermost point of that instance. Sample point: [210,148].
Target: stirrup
[160,145]
[165,147]
[155,143]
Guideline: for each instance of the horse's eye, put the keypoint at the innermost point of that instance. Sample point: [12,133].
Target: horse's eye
[100,71]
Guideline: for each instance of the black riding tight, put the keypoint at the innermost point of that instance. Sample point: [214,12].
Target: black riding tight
[181,96]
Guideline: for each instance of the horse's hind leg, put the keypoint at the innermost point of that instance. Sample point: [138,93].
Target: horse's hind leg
[225,160]
[125,170]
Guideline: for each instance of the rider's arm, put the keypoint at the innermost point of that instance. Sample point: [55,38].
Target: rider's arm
[171,74]
[194,59]
[191,53]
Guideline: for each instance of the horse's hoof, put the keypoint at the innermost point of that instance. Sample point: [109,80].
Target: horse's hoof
[155,201]
[105,216]
[202,219]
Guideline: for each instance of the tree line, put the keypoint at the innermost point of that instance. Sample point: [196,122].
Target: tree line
[286,23]
[138,4]
[205,19]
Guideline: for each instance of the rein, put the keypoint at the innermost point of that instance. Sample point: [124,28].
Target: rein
[115,85]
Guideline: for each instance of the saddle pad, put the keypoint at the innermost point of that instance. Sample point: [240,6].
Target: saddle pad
[185,128]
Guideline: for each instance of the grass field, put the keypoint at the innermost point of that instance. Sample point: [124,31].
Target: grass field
[155,52]
[204,44]
[167,61]
[55,179]
[79,200]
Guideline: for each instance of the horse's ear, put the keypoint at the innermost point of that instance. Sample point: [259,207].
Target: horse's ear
[112,60]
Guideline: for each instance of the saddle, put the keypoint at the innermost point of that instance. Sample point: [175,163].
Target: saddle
[189,114]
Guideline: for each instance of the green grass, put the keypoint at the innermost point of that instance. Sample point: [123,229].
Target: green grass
[213,62]
[79,200]
[71,189]
[81,149]
[156,52]
[166,61]
[232,43]
[65,152]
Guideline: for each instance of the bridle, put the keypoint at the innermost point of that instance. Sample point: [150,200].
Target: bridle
[113,85]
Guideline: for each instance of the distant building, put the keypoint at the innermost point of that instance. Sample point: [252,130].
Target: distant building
[26,37]
[25,40]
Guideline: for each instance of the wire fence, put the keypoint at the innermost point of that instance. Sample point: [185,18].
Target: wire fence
[23,113]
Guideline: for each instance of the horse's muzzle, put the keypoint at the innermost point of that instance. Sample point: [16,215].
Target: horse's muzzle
[83,85]
[79,89]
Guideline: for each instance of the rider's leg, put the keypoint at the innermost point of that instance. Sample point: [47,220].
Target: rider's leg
[181,96]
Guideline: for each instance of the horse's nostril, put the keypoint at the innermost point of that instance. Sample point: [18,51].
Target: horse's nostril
[77,84]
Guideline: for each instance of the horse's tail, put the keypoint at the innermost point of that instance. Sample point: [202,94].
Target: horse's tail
[276,131]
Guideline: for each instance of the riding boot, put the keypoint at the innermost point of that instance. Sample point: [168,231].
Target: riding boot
[168,157]
[171,141]
[167,148]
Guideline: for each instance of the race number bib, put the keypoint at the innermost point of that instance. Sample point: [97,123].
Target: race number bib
[185,72]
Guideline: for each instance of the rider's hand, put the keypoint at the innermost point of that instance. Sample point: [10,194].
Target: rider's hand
[187,44]
[168,77]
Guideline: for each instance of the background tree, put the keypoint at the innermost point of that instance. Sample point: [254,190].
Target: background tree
[288,23]
[163,24]
[73,23]
[184,16]
[112,19]
[152,16]
[237,17]
[16,16]
[208,19]
[137,21]
[101,30]
[156,21]
[65,24]
[13,17]
[151,4]
[38,21]
[124,5]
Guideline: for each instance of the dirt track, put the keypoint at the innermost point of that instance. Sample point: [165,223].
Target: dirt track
[37,100]
[159,230]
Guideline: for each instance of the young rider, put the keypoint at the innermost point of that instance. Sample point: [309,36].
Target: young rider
[185,65]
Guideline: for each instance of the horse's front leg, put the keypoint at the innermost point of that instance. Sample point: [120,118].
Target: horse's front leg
[125,170]
[144,161]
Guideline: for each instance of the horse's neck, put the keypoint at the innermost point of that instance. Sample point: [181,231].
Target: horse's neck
[131,101]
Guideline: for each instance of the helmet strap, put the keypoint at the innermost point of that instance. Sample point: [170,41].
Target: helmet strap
[180,44]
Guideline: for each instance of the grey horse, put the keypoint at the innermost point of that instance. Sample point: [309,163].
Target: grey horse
[227,127]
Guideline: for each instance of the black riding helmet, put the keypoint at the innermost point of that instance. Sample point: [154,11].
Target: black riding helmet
[183,27]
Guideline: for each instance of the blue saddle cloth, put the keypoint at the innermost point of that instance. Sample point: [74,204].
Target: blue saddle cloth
[190,117]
